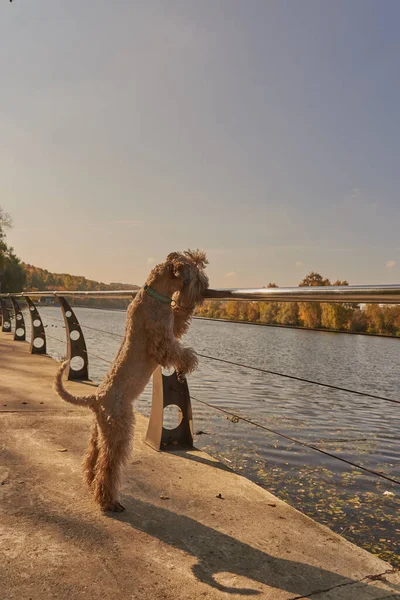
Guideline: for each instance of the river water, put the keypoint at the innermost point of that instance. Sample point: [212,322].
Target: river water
[361,507]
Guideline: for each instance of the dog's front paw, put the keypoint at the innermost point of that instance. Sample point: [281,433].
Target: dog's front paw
[189,362]
[181,377]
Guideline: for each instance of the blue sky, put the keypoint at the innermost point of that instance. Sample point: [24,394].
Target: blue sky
[264,131]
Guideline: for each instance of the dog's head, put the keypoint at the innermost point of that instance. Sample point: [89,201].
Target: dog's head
[187,270]
[182,277]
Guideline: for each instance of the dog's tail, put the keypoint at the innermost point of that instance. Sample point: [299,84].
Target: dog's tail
[58,387]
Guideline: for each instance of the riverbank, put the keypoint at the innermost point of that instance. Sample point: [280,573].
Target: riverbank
[301,328]
[192,527]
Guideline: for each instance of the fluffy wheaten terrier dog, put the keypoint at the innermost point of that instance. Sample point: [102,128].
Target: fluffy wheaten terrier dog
[156,320]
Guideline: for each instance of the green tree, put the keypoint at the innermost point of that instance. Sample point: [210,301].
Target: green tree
[12,275]
[5,223]
[49,281]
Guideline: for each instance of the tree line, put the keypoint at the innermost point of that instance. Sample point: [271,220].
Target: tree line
[37,279]
[351,317]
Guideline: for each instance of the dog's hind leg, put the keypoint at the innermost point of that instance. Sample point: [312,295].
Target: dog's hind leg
[114,451]
[92,454]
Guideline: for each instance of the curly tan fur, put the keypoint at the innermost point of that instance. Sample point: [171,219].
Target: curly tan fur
[152,335]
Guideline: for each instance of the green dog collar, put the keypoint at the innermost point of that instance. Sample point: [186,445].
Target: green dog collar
[156,295]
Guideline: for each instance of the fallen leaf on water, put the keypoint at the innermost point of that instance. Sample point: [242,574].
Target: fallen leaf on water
[233,419]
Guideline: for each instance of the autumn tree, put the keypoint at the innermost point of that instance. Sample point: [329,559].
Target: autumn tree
[313,279]
[310,313]
[233,310]
[210,309]
[329,316]
[288,313]
[375,318]
[243,311]
[396,319]
[337,316]
[392,319]
[269,310]
[358,321]
[253,312]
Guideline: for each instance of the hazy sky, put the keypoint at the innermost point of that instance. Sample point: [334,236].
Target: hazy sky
[264,131]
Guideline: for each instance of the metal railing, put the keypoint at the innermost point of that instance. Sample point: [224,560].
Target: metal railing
[374,294]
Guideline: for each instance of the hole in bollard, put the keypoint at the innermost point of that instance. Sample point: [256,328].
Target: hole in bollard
[20,332]
[36,323]
[167,371]
[38,343]
[75,335]
[77,363]
[172,417]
